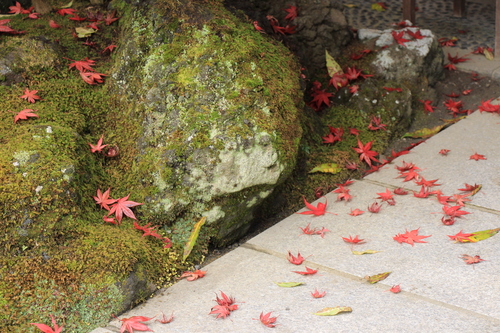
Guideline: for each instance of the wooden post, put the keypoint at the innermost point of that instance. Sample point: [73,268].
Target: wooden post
[459,8]
[409,10]
[497,30]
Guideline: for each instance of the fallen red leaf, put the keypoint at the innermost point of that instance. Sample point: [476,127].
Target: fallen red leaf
[398,37]
[365,153]
[395,289]
[267,320]
[424,193]
[390,89]
[488,107]
[469,260]
[410,237]
[454,211]
[30,95]
[318,294]
[316,211]
[354,240]
[110,18]
[66,11]
[387,196]
[477,157]
[103,199]
[221,311]
[134,323]
[258,27]
[308,271]
[322,232]
[444,152]
[374,207]
[376,124]
[25,114]
[98,147]
[400,191]
[191,276]
[299,259]
[456,59]
[53,24]
[356,212]
[164,319]
[121,206]
[308,231]
[461,237]
[427,183]
[292,13]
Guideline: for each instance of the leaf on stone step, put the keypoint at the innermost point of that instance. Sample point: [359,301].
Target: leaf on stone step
[289,284]
[327,168]
[333,311]
[364,252]
[376,278]
[424,132]
[192,238]
[453,120]
[331,65]
[82,32]
[482,235]
[488,54]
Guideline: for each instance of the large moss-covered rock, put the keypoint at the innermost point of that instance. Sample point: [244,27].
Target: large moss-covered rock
[211,107]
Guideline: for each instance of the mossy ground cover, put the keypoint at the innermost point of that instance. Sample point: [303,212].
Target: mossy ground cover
[57,256]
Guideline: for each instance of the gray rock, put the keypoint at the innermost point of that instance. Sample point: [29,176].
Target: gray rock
[219,118]
[417,59]
[366,34]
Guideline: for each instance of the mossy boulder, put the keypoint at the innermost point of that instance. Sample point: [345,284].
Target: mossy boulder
[211,109]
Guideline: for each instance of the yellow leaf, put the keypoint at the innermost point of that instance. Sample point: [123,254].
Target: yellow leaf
[333,311]
[425,132]
[364,252]
[193,237]
[488,54]
[482,235]
[327,168]
[377,7]
[68,4]
[331,65]
[84,32]
[377,278]
[453,121]
[289,284]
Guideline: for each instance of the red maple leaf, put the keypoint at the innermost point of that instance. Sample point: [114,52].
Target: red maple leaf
[444,152]
[121,206]
[98,147]
[410,237]
[400,191]
[452,95]
[338,80]
[477,157]
[488,107]
[352,73]
[353,89]
[456,59]
[374,207]
[25,114]
[292,13]
[424,193]
[471,188]
[134,323]
[191,276]
[356,212]
[316,211]
[454,211]
[258,27]
[103,199]
[77,18]
[447,42]
[46,329]
[320,97]
[226,301]
[390,89]
[427,105]
[296,260]
[30,95]
[7,29]
[354,131]
[267,320]
[395,289]
[322,232]
[92,77]
[82,65]
[416,35]
[461,237]
[18,9]
[398,37]
[387,196]
[354,240]
[376,124]
[308,271]
[308,231]
[351,166]
[454,106]
[330,138]
[448,221]
[427,183]
[450,67]
[66,11]
[109,48]
[469,260]
[53,24]
[365,153]
[220,311]
[411,174]
[318,294]
[110,18]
